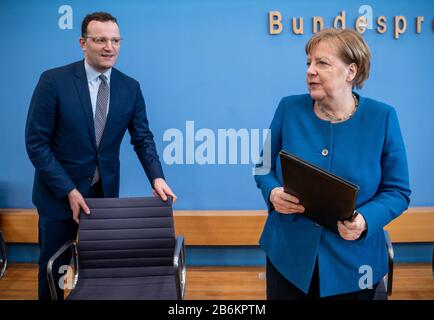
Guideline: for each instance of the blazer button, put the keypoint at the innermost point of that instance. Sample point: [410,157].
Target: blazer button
[325,152]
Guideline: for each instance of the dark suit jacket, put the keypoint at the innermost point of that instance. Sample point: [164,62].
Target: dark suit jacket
[60,137]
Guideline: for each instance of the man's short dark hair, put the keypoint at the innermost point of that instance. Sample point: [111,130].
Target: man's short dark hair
[98,16]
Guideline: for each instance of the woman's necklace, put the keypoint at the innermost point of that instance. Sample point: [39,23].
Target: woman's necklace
[334,118]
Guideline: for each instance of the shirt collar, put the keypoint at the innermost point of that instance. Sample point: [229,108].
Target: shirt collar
[92,74]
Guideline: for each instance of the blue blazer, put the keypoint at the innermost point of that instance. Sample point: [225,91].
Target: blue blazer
[368,150]
[60,137]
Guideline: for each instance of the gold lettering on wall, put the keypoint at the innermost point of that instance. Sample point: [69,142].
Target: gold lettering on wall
[340,19]
[382,27]
[419,21]
[400,26]
[317,21]
[397,24]
[297,29]
[275,22]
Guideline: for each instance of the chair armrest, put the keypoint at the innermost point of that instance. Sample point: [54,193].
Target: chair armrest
[70,244]
[391,255]
[179,265]
[3,256]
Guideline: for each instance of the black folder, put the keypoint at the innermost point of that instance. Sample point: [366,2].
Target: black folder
[326,197]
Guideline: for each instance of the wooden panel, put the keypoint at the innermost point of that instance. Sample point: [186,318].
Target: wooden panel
[19,225]
[415,225]
[209,227]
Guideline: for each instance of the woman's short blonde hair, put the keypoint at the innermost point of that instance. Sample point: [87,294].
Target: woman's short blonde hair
[351,48]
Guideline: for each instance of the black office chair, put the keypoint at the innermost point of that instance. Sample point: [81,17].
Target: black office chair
[384,288]
[3,256]
[126,249]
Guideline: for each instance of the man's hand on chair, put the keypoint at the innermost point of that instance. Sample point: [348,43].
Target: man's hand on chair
[76,201]
[162,190]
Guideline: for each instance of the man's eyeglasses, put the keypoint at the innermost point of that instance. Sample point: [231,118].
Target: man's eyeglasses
[103,41]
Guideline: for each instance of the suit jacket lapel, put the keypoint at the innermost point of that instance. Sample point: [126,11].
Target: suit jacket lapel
[83,92]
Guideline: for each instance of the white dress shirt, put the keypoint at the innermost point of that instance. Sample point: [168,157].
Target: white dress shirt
[94,81]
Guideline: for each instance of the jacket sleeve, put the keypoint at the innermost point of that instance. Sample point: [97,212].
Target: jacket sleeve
[40,128]
[265,172]
[143,140]
[393,194]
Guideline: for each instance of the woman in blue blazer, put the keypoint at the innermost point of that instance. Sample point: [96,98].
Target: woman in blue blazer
[356,138]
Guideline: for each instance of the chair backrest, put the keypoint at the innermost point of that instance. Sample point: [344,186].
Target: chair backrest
[126,237]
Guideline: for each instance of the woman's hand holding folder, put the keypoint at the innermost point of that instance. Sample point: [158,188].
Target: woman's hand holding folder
[284,202]
[288,204]
[353,229]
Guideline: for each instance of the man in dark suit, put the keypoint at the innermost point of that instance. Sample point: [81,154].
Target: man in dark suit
[77,118]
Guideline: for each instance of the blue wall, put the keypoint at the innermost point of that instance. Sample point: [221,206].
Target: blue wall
[214,63]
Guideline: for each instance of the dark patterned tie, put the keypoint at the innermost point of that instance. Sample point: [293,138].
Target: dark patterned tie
[100,115]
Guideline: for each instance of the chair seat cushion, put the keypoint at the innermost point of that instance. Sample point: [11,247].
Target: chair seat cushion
[131,288]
